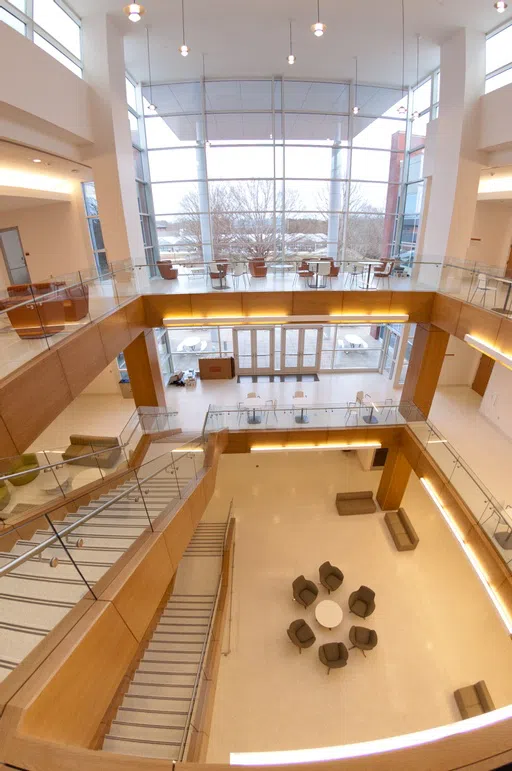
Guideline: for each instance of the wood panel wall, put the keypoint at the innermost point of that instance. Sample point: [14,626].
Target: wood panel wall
[142,363]
[32,396]
[483,374]
[427,357]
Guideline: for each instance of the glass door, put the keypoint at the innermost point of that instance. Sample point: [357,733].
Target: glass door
[300,349]
[14,257]
[391,347]
[254,350]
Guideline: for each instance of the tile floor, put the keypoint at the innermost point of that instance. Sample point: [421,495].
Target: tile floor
[437,629]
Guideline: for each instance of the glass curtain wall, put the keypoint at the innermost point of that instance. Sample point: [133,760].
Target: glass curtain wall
[140,160]
[51,25]
[498,52]
[274,169]
[93,221]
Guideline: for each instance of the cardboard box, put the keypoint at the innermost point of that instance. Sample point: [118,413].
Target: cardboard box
[217,369]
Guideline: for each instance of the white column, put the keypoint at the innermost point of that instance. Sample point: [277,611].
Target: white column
[111,156]
[202,191]
[452,157]
[335,191]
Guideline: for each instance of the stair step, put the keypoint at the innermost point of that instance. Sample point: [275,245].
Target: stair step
[176,693]
[151,718]
[159,733]
[146,749]
[150,672]
[155,703]
[169,657]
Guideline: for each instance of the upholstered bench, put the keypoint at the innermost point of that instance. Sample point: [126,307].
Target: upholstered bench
[81,446]
[401,529]
[474,700]
[355,503]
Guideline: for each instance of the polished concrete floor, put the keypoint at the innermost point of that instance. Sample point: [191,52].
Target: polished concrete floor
[437,629]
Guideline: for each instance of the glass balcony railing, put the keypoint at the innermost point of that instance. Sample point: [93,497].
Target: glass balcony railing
[36,479]
[53,562]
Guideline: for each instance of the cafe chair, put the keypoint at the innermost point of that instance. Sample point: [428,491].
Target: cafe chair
[324,270]
[331,577]
[362,602]
[362,638]
[271,405]
[299,395]
[384,272]
[304,591]
[334,655]
[301,634]
[483,286]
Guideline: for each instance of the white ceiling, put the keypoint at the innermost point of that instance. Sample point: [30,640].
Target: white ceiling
[242,38]
[21,158]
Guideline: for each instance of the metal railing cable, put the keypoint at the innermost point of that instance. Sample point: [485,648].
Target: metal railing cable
[226,653]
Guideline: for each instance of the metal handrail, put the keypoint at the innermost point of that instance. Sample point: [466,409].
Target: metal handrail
[195,687]
[63,462]
[226,653]
[69,529]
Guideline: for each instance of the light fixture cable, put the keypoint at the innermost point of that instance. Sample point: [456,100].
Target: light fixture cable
[416,113]
[184,49]
[291,56]
[402,109]
[318,28]
[355,108]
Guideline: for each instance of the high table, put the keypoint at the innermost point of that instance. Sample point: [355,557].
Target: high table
[507,297]
[329,614]
[253,404]
[370,264]
[371,417]
[302,403]
[313,267]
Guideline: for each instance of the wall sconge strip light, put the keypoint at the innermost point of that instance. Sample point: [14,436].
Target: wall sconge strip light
[477,567]
[300,447]
[482,347]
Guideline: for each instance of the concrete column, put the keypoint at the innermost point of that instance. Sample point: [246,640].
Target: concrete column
[143,366]
[111,156]
[451,156]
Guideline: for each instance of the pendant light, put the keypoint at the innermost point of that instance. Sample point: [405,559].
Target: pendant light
[318,28]
[501,6]
[402,110]
[291,56]
[183,49]
[355,108]
[134,11]
[151,105]
[416,113]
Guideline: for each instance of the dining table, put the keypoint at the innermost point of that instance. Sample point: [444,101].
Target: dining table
[251,404]
[301,402]
[508,282]
[313,267]
[369,264]
[355,341]
[367,402]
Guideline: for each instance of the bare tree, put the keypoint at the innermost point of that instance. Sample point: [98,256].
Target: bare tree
[365,225]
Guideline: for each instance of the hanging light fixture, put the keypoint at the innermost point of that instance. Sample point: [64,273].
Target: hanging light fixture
[501,6]
[402,110]
[134,11]
[416,113]
[355,108]
[183,49]
[318,28]
[151,105]
[291,57]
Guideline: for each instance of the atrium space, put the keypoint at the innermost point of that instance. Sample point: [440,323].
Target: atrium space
[436,627]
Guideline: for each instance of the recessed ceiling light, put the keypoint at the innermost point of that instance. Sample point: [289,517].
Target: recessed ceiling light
[36,160]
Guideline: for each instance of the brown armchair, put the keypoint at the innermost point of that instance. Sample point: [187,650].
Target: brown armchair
[301,634]
[257,268]
[166,270]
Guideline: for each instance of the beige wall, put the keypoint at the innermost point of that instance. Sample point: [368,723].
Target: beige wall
[493,225]
[495,404]
[460,364]
[54,235]
[107,382]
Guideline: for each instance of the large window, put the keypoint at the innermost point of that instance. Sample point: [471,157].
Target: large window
[51,25]
[498,59]
[275,168]
[93,220]
[140,161]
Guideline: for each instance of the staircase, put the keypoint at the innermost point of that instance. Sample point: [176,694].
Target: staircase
[153,718]
[37,594]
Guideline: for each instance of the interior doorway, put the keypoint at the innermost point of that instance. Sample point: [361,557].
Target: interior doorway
[301,348]
[254,350]
[14,256]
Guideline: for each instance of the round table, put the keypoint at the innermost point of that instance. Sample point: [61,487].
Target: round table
[370,264]
[189,342]
[56,480]
[355,341]
[329,614]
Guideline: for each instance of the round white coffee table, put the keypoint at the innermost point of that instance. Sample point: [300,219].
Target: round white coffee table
[328,614]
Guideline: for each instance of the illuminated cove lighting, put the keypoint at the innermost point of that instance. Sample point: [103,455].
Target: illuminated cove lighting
[475,562]
[13,178]
[236,319]
[362,749]
[484,347]
[305,446]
